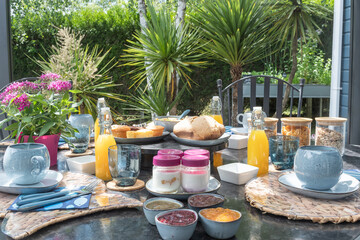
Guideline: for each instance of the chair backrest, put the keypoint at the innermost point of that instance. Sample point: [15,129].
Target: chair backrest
[4,133]
[238,86]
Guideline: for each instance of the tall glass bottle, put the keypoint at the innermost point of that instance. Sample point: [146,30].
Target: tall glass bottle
[216,109]
[258,144]
[102,144]
[100,104]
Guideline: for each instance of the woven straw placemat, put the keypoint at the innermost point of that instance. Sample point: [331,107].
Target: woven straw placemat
[267,194]
[22,224]
[139,184]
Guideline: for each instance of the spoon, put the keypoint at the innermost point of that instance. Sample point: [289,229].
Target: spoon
[186,112]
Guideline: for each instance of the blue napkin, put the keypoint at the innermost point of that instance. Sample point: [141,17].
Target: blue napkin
[61,141]
[80,202]
[353,172]
[228,129]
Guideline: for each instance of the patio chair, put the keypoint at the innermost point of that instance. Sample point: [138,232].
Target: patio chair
[4,133]
[253,91]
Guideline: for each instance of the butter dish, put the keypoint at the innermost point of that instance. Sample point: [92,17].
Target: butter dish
[237,173]
[84,164]
[238,141]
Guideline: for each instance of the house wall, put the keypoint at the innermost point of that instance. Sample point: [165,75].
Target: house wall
[345,61]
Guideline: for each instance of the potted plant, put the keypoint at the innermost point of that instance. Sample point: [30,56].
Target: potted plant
[37,111]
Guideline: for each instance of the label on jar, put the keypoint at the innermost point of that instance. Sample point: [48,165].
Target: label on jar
[166,181]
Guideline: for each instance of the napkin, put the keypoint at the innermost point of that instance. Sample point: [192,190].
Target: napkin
[80,202]
[353,172]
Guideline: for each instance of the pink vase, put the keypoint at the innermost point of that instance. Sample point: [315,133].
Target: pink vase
[51,142]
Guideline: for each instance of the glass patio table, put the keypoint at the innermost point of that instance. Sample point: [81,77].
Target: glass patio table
[132,224]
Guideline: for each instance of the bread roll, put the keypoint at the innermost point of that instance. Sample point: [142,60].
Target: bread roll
[199,128]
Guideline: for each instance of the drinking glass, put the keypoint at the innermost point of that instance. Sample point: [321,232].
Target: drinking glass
[124,163]
[84,124]
[282,151]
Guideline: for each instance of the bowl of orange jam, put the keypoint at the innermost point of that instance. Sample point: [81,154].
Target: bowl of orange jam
[220,223]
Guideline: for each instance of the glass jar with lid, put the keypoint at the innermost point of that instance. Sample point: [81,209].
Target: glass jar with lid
[195,173]
[330,131]
[297,127]
[166,173]
[270,126]
[169,151]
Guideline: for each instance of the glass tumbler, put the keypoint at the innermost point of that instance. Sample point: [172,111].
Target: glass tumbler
[124,163]
[84,123]
[282,151]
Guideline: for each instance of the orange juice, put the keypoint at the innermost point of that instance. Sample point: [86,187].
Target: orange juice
[218,161]
[218,118]
[258,151]
[97,129]
[102,145]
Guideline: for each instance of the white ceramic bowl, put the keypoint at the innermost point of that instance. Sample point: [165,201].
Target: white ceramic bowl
[237,173]
[220,230]
[151,213]
[176,232]
[84,164]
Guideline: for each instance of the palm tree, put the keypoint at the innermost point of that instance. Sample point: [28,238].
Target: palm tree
[294,20]
[238,31]
[161,50]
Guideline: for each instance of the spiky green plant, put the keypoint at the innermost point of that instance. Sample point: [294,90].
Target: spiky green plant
[82,66]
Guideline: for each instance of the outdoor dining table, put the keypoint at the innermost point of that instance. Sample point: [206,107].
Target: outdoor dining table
[131,223]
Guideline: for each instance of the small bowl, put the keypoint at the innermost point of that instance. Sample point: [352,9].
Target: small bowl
[151,213]
[197,209]
[84,164]
[176,232]
[237,173]
[220,230]
[168,122]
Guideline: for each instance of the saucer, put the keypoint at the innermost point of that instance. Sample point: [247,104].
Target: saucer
[213,186]
[50,181]
[346,186]
[240,131]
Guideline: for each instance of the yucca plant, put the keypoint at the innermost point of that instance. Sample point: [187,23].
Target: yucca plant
[83,66]
[160,50]
[237,31]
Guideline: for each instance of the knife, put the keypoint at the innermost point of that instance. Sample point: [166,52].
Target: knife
[42,197]
[37,204]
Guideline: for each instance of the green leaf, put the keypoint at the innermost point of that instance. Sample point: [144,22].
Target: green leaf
[46,128]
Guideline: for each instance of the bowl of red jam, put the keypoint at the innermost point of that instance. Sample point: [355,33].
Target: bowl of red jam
[178,224]
[205,200]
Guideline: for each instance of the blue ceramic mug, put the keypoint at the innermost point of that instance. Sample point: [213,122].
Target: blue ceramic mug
[26,163]
[318,167]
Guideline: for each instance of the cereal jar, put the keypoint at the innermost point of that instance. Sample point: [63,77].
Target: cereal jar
[270,126]
[330,131]
[297,127]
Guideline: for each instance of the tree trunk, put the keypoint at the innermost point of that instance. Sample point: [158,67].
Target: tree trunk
[142,15]
[236,73]
[179,21]
[294,45]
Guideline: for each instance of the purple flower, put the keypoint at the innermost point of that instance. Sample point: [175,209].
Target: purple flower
[21,87]
[59,86]
[20,102]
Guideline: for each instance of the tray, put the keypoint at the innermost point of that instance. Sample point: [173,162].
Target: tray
[201,143]
[213,186]
[141,140]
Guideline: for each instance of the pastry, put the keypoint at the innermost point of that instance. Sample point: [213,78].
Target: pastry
[119,130]
[143,133]
[199,128]
[157,130]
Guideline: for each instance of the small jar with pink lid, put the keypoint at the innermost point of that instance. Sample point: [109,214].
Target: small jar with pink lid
[195,173]
[169,151]
[166,173]
[197,152]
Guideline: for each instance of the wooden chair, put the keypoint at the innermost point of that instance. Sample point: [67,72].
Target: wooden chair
[4,133]
[250,82]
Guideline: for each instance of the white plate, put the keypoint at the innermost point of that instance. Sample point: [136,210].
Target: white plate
[51,180]
[240,131]
[346,186]
[213,186]
[141,140]
[201,143]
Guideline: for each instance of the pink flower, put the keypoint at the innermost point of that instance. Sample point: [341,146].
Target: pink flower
[50,76]
[59,86]
[21,86]
[20,102]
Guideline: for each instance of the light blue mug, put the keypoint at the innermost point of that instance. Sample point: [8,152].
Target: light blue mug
[26,163]
[318,167]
